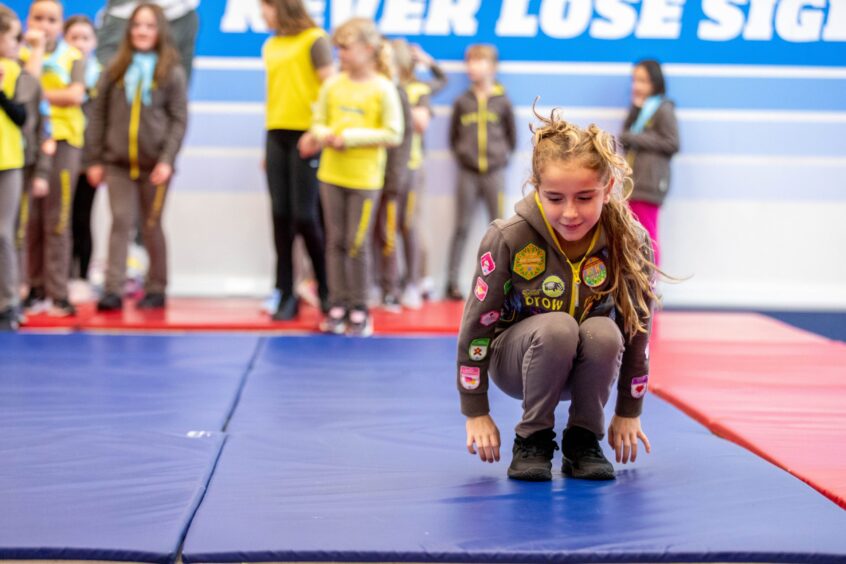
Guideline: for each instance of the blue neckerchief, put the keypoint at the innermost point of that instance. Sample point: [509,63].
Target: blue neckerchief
[650,106]
[140,74]
[93,68]
[53,62]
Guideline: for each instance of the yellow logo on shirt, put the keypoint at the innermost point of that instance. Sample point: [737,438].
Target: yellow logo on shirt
[530,262]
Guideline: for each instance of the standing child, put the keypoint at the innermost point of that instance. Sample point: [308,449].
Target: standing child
[137,126]
[12,119]
[61,69]
[482,137]
[80,32]
[297,60]
[650,137]
[562,305]
[357,115]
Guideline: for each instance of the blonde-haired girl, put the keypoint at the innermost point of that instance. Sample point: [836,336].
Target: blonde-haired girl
[357,115]
[562,305]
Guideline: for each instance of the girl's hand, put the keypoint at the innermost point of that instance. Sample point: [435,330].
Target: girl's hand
[35,39]
[482,432]
[623,434]
[336,142]
[418,55]
[308,145]
[95,175]
[40,187]
[161,174]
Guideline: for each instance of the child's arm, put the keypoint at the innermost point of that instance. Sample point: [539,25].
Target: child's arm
[36,42]
[74,93]
[454,126]
[510,127]
[421,113]
[662,138]
[315,138]
[176,108]
[390,134]
[95,130]
[439,78]
[478,329]
[15,110]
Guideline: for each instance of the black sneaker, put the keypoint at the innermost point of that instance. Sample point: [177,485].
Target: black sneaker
[62,308]
[453,293]
[8,320]
[532,457]
[36,299]
[153,300]
[288,309]
[359,323]
[110,302]
[583,457]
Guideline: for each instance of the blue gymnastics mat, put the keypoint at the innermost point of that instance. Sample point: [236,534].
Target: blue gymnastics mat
[84,381]
[125,496]
[353,450]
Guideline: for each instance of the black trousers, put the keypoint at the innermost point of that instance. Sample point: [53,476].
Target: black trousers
[295,206]
[83,202]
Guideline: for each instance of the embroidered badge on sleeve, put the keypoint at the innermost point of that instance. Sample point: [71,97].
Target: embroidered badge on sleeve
[479,349]
[470,377]
[487,263]
[639,386]
[481,289]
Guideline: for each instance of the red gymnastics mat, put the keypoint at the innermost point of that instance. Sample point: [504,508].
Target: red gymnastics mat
[194,314]
[773,389]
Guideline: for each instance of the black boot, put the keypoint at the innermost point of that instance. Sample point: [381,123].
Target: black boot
[110,302]
[583,457]
[155,300]
[288,309]
[532,456]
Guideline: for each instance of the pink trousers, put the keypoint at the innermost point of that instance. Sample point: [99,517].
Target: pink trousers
[647,214]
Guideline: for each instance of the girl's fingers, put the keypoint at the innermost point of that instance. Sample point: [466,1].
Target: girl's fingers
[634,448]
[645,440]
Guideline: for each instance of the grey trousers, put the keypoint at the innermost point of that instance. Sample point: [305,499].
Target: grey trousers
[548,358]
[49,228]
[471,187]
[126,196]
[10,194]
[348,215]
[398,217]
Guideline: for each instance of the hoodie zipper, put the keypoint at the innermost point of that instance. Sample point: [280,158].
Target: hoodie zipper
[482,131]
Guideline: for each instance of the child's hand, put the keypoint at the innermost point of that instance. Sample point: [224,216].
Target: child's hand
[336,142]
[623,434]
[40,187]
[35,39]
[308,145]
[482,432]
[418,55]
[161,174]
[95,175]
[49,147]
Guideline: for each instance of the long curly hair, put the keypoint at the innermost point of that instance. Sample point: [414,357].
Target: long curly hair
[633,272]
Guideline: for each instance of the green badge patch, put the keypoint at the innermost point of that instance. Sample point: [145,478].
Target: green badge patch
[479,349]
[530,262]
[553,286]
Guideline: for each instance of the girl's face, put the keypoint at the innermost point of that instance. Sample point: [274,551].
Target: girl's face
[572,197]
[268,12]
[641,85]
[480,70]
[11,41]
[355,55]
[82,36]
[46,16]
[144,31]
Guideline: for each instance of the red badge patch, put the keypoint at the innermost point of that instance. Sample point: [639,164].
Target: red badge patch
[489,318]
[487,263]
[639,386]
[470,377]
[481,290]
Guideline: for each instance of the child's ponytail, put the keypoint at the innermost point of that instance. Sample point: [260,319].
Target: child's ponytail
[385,59]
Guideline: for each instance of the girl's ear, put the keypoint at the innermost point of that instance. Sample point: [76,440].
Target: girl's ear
[606,197]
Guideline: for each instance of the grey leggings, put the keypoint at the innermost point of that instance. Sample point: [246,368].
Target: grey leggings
[10,195]
[548,358]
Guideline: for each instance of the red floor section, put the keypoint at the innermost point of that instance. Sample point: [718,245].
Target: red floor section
[773,389]
[190,314]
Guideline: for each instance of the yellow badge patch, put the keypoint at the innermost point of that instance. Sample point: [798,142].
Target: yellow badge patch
[594,272]
[530,262]
[553,286]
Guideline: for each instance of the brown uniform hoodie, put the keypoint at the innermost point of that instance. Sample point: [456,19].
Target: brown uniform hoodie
[114,137]
[36,128]
[482,136]
[649,152]
[521,271]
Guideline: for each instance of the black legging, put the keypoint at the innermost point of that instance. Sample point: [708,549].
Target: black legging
[83,201]
[295,205]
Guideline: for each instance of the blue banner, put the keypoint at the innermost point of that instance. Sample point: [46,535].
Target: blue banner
[759,32]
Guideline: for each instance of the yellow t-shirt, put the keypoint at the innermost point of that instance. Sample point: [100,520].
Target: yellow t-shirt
[66,124]
[292,83]
[415,91]
[368,115]
[11,138]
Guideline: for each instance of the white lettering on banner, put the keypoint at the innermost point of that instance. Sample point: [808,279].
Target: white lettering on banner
[515,21]
[564,19]
[619,20]
[797,21]
[660,19]
[241,16]
[342,10]
[452,17]
[403,17]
